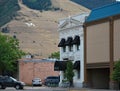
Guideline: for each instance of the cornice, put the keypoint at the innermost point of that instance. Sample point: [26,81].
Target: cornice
[72,27]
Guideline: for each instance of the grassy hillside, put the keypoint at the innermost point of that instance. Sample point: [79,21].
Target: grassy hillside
[39,4]
[8,9]
[91,4]
[37,31]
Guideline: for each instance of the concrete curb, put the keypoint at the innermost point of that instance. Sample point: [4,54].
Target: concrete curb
[87,89]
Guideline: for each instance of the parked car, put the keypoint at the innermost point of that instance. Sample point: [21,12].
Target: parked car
[8,81]
[52,80]
[36,82]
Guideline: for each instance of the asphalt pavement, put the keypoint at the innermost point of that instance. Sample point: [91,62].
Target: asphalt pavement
[28,88]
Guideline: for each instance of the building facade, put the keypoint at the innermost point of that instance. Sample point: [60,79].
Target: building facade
[101,45]
[36,68]
[71,47]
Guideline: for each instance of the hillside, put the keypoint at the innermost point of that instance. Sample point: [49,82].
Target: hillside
[40,4]
[8,10]
[37,31]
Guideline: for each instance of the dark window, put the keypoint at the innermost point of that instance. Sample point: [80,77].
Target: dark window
[78,74]
[60,65]
[78,47]
[71,48]
[8,80]
[64,49]
[77,65]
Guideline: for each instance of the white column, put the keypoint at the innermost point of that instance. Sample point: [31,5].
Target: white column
[61,53]
[74,48]
[81,60]
[61,72]
[67,49]
[61,76]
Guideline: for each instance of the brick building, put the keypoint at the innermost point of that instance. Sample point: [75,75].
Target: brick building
[31,68]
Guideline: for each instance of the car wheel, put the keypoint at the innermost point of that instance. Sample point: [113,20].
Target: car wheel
[17,86]
[2,87]
[40,84]
[21,87]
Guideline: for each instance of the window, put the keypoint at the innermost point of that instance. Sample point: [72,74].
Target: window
[64,48]
[77,47]
[9,80]
[76,42]
[78,74]
[71,48]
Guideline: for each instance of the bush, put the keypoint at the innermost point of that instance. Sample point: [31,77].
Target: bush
[116,71]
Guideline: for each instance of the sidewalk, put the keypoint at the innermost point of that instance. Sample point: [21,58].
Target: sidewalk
[88,89]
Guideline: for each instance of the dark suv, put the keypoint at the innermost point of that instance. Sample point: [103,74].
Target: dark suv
[52,80]
[7,81]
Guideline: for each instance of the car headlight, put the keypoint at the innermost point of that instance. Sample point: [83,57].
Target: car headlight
[22,83]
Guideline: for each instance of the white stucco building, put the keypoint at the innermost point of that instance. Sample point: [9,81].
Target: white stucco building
[71,46]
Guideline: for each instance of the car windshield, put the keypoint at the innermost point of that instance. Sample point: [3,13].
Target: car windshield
[52,78]
[13,79]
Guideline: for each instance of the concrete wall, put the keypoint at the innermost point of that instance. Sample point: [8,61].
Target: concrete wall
[116,39]
[98,43]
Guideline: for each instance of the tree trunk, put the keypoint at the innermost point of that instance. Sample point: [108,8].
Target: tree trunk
[71,83]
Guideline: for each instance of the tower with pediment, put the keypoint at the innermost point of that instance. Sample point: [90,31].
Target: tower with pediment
[71,46]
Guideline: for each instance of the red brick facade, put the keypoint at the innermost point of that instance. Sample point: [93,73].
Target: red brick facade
[31,69]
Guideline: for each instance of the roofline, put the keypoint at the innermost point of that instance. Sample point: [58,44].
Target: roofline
[75,15]
[77,26]
[105,6]
[114,17]
[101,8]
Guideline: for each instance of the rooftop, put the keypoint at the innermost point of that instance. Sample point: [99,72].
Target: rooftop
[91,4]
[104,12]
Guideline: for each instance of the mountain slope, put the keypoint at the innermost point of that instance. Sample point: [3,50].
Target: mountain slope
[37,31]
[8,10]
[38,4]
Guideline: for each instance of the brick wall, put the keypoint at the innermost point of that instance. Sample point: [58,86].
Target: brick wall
[29,70]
